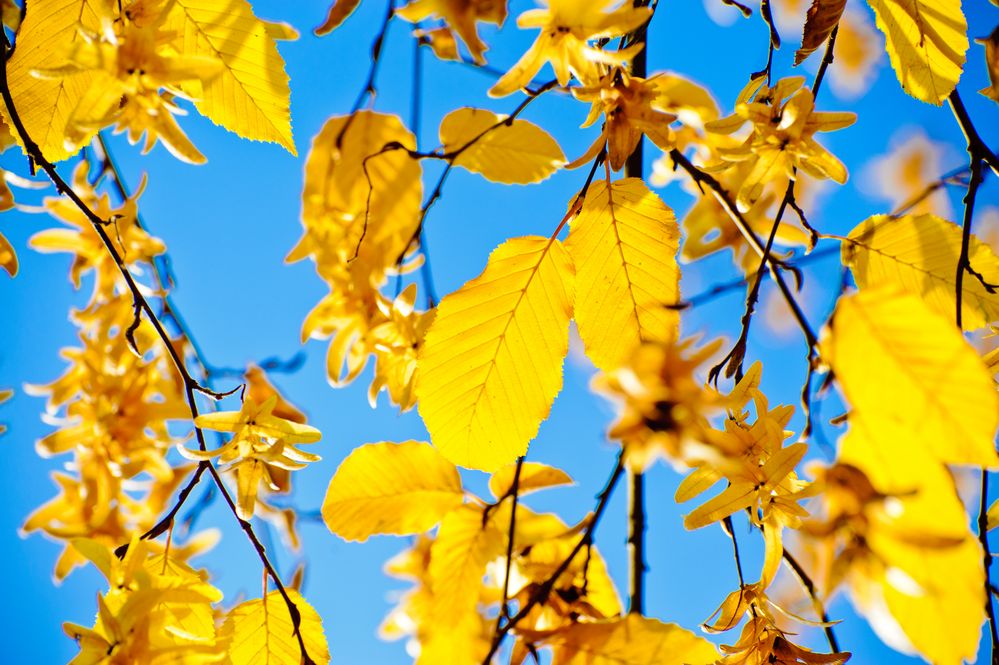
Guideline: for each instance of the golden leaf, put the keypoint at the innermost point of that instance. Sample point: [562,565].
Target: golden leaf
[630,640]
[8,257]
[517,153]
[465,544]
[822,17]
[45,105]
[250,96]
[919,253]
[900,364]
[390,488]
[338,12]
[624,245]
[261,631]
[533,476]
[926,42]
[491,364]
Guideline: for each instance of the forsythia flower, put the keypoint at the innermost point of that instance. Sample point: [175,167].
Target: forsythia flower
[259,440]
[784,122]
[567,27]
[461,15]
[631,107]
[664,409]
[135,59]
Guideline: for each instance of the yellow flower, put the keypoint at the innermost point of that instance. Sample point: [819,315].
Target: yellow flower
[784,122]
[631,107]
[567,27]
[461,15]
[259,439]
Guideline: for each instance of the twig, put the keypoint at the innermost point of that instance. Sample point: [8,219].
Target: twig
[809,586]
[541,592]
[190,384]
[514,494]
[978,154]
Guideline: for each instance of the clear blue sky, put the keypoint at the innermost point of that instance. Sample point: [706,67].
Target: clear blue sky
[228,226]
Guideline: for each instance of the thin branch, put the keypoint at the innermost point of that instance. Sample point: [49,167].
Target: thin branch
[190,384]
[978,154]
[541,592]
[636,543]
[819,607]
[514,493]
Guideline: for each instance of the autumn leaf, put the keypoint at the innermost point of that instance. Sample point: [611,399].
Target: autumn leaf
[991,64]
[533,476]
[46,105]
[822,18]
[919,253]
[261,631]
[465,544]
[391,488]
[491,364]
[630,640]
[512,152]
[250,96]
[901,364]
[338,12]
[8,257]
[624,244]
[926,42]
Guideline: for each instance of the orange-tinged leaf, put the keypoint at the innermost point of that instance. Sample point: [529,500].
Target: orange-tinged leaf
[45,105]
[390,488]
[822,17]
[926,42]
[630,640]
[261,631]
[250,96]
[624,244]
[900,364]
[338,12]
[516,153]
[465,544]
[533,476]
[919,253]
[8,258]
[491,364]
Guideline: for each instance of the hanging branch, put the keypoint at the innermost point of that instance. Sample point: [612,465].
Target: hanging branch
[142,306]
[979,154]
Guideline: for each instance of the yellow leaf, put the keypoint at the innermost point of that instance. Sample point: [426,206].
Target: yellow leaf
[822,17]
[338,12]
[993,515]
[926,42]
[624,244]
[920,253]
[250,96]
[491,364]
[630,640]
[533,476]
[45,105]
[261,631]
[737,496]
[465,544]
[929,579]
[518,153]
[900,364]
[390,488]
[8,258]
[336,190]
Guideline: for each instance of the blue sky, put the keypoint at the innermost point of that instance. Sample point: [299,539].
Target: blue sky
[229,224]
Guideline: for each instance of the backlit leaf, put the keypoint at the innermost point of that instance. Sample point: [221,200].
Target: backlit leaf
[900,364]
[533,476]
[516,153]
[822,17]
[338,12]
[390,488]
[45,105]
[920,253]
[261,631]
[250,96]
[630,640]
[491,365]
[464,545]
[624,245]
[926,42]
